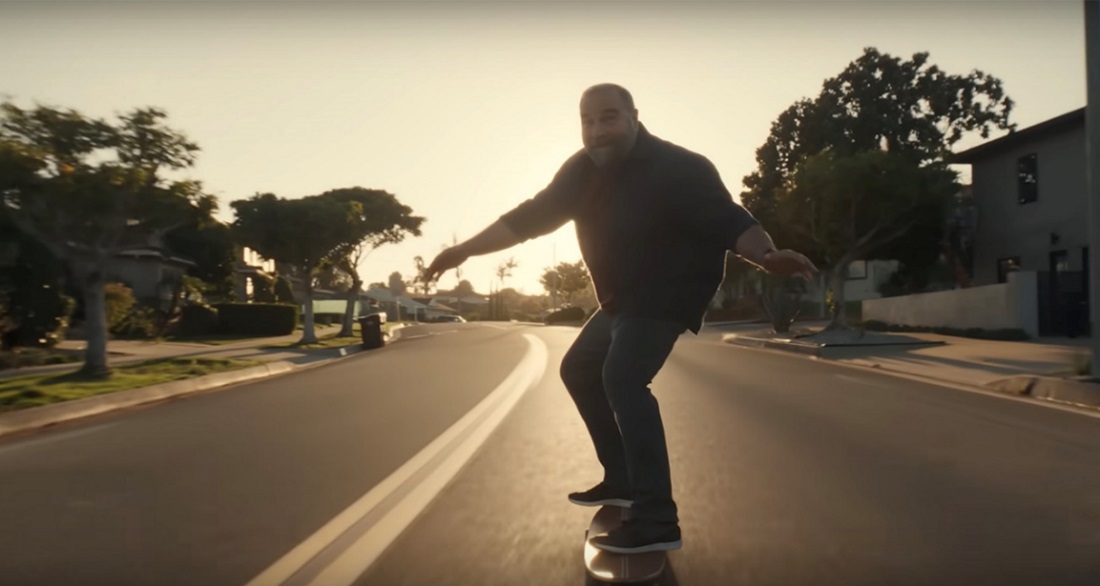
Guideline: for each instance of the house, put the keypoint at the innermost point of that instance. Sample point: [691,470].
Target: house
[1030,195]
[466,305]
[396,307]
[248,266]
[151,273]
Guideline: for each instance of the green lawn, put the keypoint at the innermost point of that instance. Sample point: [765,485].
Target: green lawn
[43,389]
[23,357]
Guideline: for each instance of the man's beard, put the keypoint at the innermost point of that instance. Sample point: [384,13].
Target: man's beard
[608,154]
[612,153]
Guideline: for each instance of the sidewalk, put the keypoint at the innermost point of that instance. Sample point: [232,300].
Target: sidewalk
[1043,368]
[128,351]
[275,361]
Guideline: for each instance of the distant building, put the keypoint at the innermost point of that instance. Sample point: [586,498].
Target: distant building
[1031,201]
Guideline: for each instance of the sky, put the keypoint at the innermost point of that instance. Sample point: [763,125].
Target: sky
[463,110]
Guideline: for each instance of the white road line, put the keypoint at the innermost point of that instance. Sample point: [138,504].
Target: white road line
[342,550]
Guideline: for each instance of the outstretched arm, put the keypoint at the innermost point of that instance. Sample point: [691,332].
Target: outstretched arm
[498,236]
[756,246]
[547,211]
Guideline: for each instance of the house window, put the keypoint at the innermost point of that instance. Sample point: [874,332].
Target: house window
[1027,173]
[1006,266]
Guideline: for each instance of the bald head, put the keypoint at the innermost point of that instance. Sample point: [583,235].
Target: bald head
[609,123]
[620,91]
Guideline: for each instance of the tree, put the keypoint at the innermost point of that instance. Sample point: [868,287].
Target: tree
[87,189]
[397,285]
[568,279]
[383,220]
[37,306]
[8,321]
[331,277]
[299,232]
[497,306]
[209,244]
[421,283]
[464,288]
[908,107]
[850,206]
[504,269]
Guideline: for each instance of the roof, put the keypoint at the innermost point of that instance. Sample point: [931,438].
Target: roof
[1062,123]
[155,253]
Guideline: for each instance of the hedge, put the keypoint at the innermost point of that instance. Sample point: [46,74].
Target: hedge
[569,314]
[257,319]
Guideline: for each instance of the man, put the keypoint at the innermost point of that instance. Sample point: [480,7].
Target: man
[654,222]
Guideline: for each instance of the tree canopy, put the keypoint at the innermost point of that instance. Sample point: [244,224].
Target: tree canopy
[300,232]
[86,189]
[566,279]
[878,102]
[847,205]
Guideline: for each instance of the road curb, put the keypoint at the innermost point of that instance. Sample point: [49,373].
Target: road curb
[38,417]
[1068,392]
[786,346]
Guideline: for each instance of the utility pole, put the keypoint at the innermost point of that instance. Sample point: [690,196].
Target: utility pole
[1092,133]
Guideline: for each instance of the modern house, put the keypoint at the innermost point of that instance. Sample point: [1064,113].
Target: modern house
[1031,199]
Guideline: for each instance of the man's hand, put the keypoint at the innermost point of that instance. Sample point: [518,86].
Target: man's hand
[449,259]
[789,262]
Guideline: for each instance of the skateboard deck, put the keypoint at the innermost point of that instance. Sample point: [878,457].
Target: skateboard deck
[616,567]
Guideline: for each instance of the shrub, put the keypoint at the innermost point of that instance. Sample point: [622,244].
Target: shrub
[197,320]
[257,319]
[119,302]
[140,322]
[283,292]
[567,314]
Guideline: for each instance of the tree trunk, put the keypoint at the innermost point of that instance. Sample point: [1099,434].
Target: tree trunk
[349,312]
[177,296]
[836,283]
[95,325]
[309,336]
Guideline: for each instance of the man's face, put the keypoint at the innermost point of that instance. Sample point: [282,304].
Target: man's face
[607,128]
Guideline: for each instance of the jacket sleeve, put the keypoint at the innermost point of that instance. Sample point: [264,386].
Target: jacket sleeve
[550,208]
[707,207]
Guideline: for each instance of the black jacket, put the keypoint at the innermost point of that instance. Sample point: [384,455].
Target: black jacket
[653,231]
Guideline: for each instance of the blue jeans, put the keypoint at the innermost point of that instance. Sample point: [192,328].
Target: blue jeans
[607,371]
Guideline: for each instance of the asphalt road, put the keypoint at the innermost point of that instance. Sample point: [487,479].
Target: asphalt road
[786,471]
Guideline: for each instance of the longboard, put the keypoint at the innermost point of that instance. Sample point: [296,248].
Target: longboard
[616,567]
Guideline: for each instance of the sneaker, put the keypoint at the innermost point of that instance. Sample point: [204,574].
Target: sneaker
[639,537]
[601,495]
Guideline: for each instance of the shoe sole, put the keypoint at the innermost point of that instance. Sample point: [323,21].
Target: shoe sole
[602,503]
[665,546]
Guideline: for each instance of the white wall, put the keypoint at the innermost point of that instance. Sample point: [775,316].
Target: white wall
[1008,305]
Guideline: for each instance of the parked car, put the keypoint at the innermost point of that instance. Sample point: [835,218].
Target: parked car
[450,319]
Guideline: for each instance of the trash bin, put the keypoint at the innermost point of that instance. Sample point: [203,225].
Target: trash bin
[370,326]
